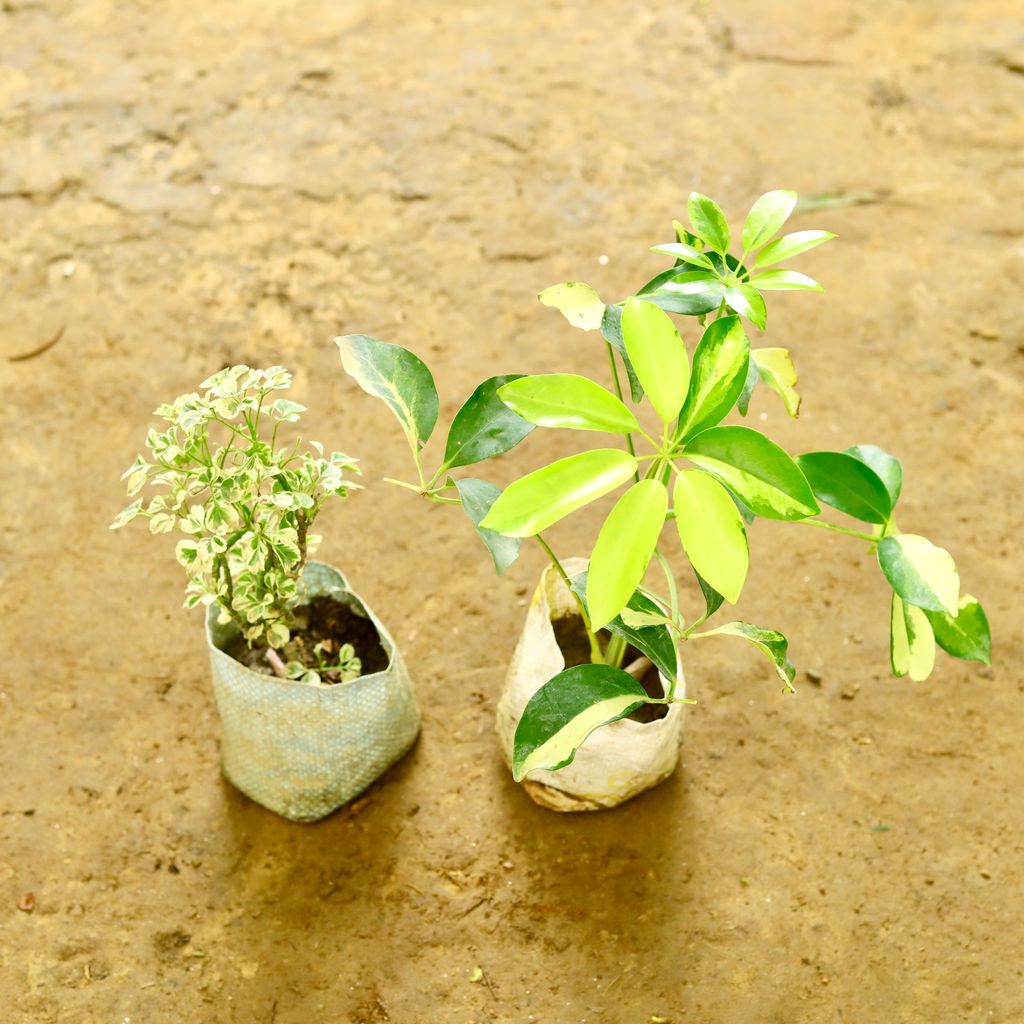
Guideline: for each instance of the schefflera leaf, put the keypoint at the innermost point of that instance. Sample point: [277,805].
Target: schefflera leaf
[967,634]
[841,480]
[624,549]
[775,368]
[477,498]
[397,376]
[708,222]
[539,499]
[566,710]
[888,467]
[711,531]
[790,245]
[577,302]
[567,400]
[770,642]
[766,216]
[658,356]
[485,426]
[757,470]
[719,372]
[920,572]
[911,641]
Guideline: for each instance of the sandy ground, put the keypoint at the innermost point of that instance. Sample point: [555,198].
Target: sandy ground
[185,184]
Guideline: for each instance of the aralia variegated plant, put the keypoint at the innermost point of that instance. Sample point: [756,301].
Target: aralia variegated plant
[687,468]
[245,498]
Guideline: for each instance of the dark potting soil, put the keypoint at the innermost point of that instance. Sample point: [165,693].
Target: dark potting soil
[322,620]
[572,640]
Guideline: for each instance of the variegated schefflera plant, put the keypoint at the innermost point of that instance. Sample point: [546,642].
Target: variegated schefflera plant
[245,497]
[681,466]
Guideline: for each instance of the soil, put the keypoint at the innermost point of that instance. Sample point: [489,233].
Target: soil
[572,641]
[184,185]
[323,620]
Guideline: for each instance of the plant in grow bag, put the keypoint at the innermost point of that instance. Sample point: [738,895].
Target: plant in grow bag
[680,465]
[245,499]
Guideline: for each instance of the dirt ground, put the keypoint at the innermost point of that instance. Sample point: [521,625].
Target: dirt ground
[184,185]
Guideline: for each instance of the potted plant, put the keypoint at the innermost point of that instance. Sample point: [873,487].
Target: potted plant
[590,719]
[313,696]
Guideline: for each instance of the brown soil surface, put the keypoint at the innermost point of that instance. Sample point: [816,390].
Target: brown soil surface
[323,620]
[187,184]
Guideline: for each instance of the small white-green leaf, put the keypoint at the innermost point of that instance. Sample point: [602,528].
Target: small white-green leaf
[785,281]
[577,302]
[541,498]
[712,532]
[920,572]
[775,368]
[657,354]
[766,216]
[708,222]
[566,710]
[624,548]
[395,375]
[790,245]
[911,641]
[567,400]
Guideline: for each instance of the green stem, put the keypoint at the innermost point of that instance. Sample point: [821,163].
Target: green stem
[618,393]
[821,524]
[596,656]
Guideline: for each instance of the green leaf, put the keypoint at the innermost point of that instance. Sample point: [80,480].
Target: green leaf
[692,293]
[785,281]
[921,573]
[577,302]
[885,465]
[624,549]
[775,368]
[655,642]
[713,600]
[611,331]
[770,642]
[398,377]
[747,301]
[477,498]
[766,216]
[967,634]
[708,221]
[567,400]
[751,381]
[485,426]
[719,372]
[911,642]
[658,356]
[712,533]
[844,482]
[757,470]
[566,710]
[685,253]
[537,500]
[790,245]
[684,236]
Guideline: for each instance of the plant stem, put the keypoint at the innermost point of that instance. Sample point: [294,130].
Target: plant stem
[618,393]
[596,656]
[821,524]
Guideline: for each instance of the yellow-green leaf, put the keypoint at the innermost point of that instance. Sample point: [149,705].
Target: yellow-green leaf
[658,356]
[624,548]
[911,641]
[775,367]
[766,216]
[541,498]
[567,400]
[577,302]
[712,532]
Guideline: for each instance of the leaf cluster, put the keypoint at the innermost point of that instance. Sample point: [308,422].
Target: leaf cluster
[243,496]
